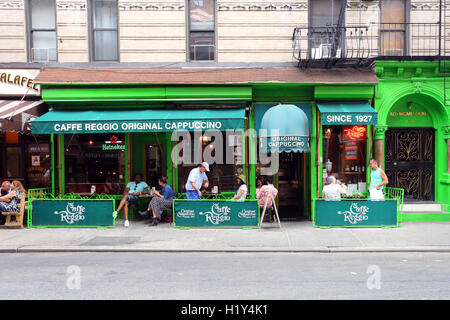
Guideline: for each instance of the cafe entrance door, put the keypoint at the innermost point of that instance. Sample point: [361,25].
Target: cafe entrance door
[148,156]
[290,185]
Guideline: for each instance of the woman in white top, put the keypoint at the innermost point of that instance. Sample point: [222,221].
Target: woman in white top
[241,192]
[332,191]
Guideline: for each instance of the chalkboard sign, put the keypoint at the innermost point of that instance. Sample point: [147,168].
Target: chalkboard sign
[216,213]
[72,213]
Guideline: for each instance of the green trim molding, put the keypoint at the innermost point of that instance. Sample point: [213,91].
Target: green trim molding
[380,131]
[83,94]
[338,92]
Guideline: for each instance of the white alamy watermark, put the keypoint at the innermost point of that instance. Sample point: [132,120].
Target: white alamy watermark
[73,281]
[224,147]
[374,279]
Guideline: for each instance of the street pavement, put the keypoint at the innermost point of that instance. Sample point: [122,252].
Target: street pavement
[298,236]
[224,276]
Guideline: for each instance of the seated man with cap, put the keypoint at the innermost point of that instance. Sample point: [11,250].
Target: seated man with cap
[195,181]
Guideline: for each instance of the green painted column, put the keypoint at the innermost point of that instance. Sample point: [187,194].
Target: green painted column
[53,171]
[252,150]
[61,165]
[379,144]
[446,130]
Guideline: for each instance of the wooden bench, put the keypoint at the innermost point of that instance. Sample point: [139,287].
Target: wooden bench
[17,222]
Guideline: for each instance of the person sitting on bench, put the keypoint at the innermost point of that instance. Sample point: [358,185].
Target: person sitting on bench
[162,200]
[5,188]
[10,202]
[131,196]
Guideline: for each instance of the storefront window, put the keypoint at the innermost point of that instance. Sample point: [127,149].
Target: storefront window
[344,154]
[228,164]
[38,165]
[95,163]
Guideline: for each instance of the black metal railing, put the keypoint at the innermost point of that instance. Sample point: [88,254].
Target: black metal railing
[361,44]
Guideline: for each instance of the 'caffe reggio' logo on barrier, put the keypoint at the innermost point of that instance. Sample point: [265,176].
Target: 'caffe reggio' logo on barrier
[72,213]
[355,214]
[217,214]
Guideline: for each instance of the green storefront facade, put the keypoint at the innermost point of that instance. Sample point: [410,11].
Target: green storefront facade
[411,138]
[233,105]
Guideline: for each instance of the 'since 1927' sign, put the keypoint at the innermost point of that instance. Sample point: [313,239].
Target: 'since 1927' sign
[216,213]
[73,213]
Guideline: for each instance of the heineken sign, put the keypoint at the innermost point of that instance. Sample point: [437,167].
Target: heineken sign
[216,213]
[73,213]
[358,213]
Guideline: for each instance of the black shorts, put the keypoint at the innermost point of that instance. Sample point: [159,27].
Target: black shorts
[132,200]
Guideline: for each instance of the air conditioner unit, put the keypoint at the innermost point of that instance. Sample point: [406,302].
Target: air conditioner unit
[393,52]
[43,54]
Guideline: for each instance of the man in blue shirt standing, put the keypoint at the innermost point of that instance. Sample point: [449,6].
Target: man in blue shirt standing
[195,181]
[131,196]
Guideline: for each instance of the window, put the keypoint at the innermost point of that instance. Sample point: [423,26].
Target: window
[201,30]
[104,35]
[324,12]
[42,28]
[95,163]
[344,154]
[325,17]
[227,151]
[38,166]
[393,27]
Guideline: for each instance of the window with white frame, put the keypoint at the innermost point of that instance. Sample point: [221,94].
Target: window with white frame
[104,30]
[201,29]
[42,30]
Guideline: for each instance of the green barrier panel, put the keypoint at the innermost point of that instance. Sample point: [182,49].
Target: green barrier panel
[69,210]
[360,211]
[216,213]
[73,213]
[356,213]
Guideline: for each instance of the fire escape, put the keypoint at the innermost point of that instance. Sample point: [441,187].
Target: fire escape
[444,47]
[344,45]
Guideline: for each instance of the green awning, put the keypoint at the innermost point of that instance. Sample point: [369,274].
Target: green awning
[285,128]
[155,120]
[343,113]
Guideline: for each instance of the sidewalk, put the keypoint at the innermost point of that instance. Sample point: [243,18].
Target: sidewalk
[294,237]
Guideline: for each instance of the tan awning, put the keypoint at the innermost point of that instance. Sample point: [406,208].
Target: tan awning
[15,115]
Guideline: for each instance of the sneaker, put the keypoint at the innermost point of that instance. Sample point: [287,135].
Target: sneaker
[126,224]
[114,214]
[143,213]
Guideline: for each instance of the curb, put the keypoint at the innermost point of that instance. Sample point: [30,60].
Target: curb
[97,249]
